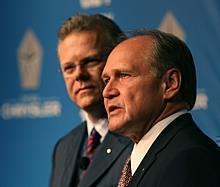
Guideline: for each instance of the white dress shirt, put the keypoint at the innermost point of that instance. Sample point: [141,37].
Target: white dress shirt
[141,148]
[101,126]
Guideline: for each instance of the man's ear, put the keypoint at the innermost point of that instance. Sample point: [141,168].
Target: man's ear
[171,83]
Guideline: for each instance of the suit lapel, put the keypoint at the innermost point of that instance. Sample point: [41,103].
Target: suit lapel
[107,153]
[161,142]
[73,152]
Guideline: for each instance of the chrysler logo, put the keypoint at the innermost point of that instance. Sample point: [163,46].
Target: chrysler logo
[30,59]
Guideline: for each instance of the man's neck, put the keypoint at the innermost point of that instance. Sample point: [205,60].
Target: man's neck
[96,117]
[95,114]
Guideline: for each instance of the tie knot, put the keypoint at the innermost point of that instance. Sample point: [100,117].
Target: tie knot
[94,132]
[95,135]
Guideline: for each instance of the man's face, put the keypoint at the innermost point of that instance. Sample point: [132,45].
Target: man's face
[132,96]
[82,63]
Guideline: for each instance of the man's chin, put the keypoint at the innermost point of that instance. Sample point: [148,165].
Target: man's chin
[116,128]
[86,103]
[90,105]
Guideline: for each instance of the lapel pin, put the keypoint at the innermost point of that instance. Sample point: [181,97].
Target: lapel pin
[108,151]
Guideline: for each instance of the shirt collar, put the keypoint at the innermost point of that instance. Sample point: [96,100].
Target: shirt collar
[141,148]
[101,126]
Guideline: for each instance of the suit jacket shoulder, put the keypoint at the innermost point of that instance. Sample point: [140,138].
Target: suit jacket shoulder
[182,155]
[65,156]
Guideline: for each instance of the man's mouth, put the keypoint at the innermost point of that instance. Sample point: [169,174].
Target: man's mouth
[84,89]
[113,109]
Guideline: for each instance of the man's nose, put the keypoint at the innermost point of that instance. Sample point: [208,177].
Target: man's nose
[110,91]
[81,73]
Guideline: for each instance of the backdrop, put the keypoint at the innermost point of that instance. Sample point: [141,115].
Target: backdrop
[34,108]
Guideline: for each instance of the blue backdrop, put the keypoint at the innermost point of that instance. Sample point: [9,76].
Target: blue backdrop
[34,108]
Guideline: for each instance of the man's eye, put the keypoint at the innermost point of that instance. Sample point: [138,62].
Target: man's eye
[92,62]
[69,69]
[124,75]
[105,80]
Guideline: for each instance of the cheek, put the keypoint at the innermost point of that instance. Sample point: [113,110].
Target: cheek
[70,87]
[134,100]
[129,100]
[96,78]
[105,102]
[97,73]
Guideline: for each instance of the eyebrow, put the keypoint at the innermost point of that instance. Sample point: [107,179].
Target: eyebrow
[115,71]
[86,59]
[92,57]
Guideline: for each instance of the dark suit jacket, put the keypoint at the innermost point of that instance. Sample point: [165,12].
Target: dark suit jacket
[105,169]
[182,156]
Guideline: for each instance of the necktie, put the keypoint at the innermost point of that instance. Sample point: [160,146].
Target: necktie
[92,142]
[126,175]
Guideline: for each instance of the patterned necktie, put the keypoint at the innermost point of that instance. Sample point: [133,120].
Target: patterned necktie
[126,175]
[92,142]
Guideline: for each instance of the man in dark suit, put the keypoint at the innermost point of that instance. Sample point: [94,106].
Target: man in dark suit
[150,87]
[89,155]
